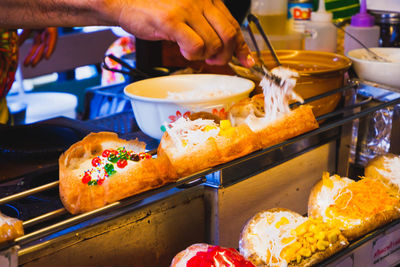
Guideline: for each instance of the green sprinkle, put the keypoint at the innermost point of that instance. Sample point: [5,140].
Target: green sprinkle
[113,158]
[123,155]
[92,182]
[163,129]
[109,169]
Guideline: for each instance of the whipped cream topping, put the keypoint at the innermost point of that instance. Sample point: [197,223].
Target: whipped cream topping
[266,236]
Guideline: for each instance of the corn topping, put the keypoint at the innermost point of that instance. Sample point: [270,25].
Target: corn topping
[311,236]
[226,128]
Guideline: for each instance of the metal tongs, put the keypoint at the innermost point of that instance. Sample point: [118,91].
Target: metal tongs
[260,69]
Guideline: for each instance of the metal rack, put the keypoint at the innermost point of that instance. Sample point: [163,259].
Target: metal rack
[59,220]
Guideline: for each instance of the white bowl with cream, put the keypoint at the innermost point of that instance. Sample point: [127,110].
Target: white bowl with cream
[162,100]
[370,69]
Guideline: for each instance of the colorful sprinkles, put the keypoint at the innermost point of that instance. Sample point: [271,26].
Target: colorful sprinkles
[103,166]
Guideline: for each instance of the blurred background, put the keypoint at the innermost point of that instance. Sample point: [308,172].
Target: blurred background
[74,82]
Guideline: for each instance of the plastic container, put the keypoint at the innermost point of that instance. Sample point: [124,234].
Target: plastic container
[321,35]
[362,27]
[272,15]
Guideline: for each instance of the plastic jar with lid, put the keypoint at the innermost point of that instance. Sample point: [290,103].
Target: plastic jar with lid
[389,23]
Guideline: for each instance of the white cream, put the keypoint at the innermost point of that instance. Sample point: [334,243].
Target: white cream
[191,132]
[392,170]
[326,196]
[266,237]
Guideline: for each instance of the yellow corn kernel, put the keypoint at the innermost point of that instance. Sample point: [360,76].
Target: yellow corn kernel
[332,237]
[301,230]
[310,240]
[284,220]
[225,124]
[288,254]
[325,243]
[320,235]
[227,132]
[296,246]
[281,222]
[313,248]
[308,234]
[312,228]
[298,258]
[209,128]
[184,142]
[305,252]
[322,245]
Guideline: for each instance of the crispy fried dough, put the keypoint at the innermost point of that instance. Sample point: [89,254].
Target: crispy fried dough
[135,178]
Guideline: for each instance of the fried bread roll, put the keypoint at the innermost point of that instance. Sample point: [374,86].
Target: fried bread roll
[10,228]
[102,168]
[194,145]
[356,207]
[385,168]
[280,237]
[202,254]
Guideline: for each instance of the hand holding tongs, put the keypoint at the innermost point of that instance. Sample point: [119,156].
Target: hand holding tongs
[261,69]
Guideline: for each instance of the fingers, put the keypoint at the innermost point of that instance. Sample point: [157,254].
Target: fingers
[51,41]
[226,32]
[243,54]
[190,43]
[212,43]
[32,52]
[40,50]
[43,46]
[241,50]
[203,29]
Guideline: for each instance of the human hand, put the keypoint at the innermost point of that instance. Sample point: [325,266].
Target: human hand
[203,29]
[44,43]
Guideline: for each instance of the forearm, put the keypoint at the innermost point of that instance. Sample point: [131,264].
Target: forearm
[45,13]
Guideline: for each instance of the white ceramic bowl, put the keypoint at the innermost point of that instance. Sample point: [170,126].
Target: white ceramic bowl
[385,73]
[153,102]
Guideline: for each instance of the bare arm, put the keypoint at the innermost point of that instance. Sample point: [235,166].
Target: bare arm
[45,13]
[203,29]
